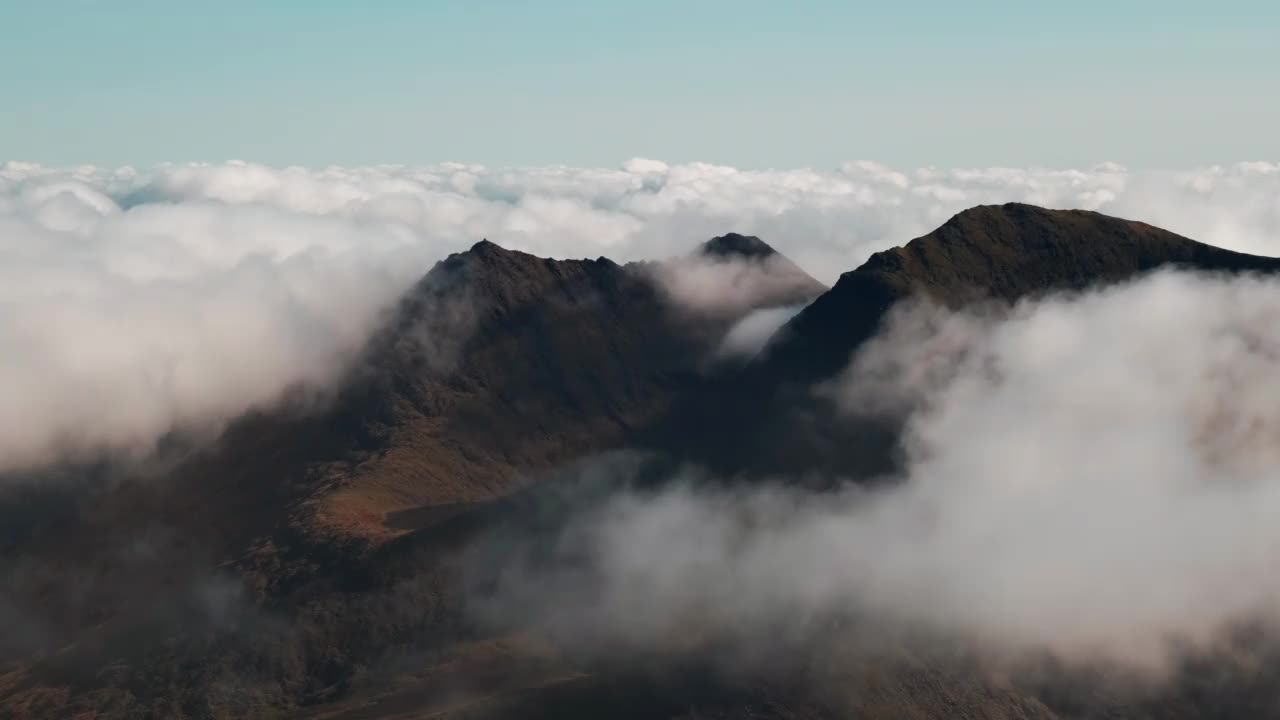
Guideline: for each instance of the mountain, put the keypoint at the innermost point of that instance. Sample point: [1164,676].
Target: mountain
[312,562]
[497,366]
[777,281]
[1004,252]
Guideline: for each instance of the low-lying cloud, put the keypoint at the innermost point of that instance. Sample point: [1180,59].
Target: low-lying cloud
[1092,476]
[136,302]
[732,287]
[1096,471]
[749,335]
[119,326]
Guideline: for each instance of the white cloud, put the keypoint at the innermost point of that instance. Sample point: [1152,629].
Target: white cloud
[749,335]
[1093,476]
[729,287]
[1097,471]
[135,299]
[120,325]
[829,221]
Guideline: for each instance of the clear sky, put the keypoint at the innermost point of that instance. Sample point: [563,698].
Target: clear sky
[752,83]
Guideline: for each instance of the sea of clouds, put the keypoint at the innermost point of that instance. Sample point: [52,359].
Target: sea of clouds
[134,302]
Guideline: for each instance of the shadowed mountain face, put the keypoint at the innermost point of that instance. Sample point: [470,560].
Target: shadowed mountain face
[737,246]
[308,565]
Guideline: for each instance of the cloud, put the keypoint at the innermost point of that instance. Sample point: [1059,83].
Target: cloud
[136,301]
[732,287]
[829,221]
[1091,476]
[749,335]
[1096,470]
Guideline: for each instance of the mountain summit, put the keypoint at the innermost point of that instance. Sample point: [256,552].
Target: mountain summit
[991,251]
[735,245]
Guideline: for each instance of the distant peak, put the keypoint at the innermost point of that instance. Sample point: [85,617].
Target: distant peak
[485,247]
[490,254]
[1014,250]
[735,245]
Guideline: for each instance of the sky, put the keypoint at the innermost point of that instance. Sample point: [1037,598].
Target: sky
[751,83]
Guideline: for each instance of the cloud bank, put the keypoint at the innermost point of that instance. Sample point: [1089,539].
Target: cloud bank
[135,302]
[731,287]
[1092,476]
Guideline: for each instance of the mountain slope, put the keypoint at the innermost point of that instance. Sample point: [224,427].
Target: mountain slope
[993,251]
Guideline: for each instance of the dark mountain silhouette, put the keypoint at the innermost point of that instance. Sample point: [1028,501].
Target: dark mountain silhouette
[992,251]
[734,245]
[308,565]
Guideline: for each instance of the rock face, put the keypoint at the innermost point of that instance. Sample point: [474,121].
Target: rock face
[307,565]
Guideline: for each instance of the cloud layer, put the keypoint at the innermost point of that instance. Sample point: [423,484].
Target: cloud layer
[1095,472]
[136,302]
[1089,475]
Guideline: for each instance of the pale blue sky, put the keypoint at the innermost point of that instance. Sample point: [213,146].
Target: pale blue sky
[752,83]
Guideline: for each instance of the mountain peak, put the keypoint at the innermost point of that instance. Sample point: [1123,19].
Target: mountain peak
[1011,250]
[1004,252]
[735,245]
[487,258]
[487,248]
